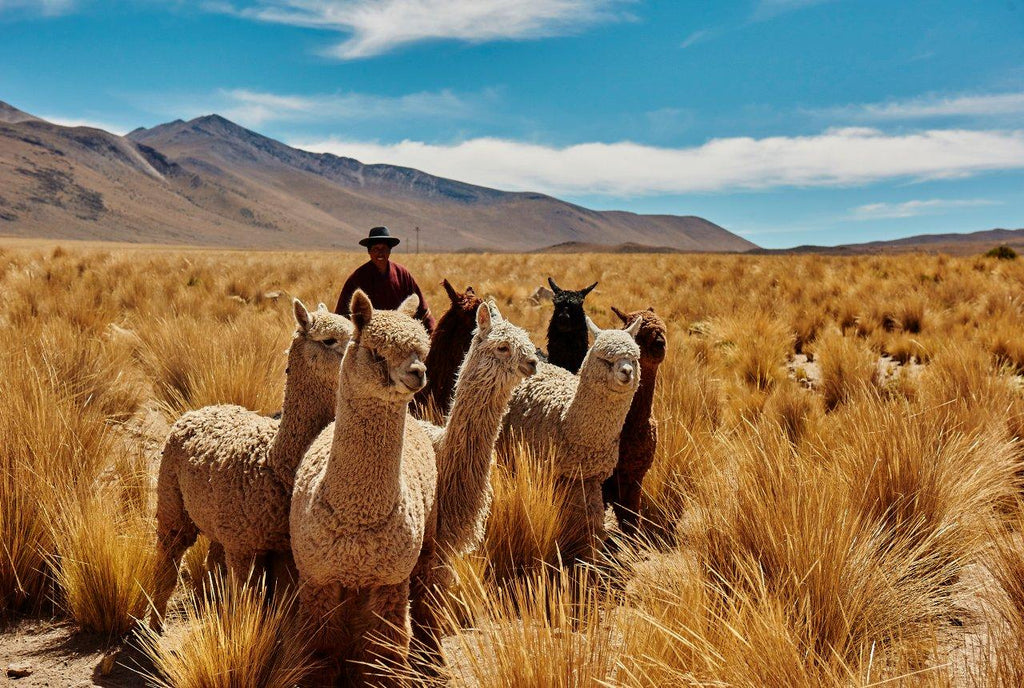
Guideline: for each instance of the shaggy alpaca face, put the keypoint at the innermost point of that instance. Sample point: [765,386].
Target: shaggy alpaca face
[386,355]
[508,347]
[652,337]
[568,314]
[321,338]
[614,359]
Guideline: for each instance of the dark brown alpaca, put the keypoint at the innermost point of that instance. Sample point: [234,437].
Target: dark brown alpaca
[448,346]
[639,437]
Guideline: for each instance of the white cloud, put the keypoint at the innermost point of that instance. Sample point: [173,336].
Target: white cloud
[839,157]
[47,8]
[252,108]
[935,206]
[378,26]
[926,107]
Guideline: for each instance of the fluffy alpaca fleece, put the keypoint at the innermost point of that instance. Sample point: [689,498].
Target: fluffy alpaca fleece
[227,472]
[499,357]
[448,346]
[576,420]
[567,332]
[639,439]
[364,496]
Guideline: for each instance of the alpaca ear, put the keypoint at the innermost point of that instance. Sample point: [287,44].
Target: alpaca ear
[322,307]
[483,319]
[594,329]
[301,315]
[622,316]
[495,313]
[634,328]
[584,292]
[450,290]
[361,309]
[650,309]
[554,287]
[410,305]
[469,290]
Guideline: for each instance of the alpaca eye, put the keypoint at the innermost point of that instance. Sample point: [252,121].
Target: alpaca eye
[330,342]
[503,348]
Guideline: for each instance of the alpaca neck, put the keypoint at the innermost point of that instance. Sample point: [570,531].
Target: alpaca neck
[365,465]
[567,349]
[464,455]
[595,414]
[643,400]
[447,347]
[308,408]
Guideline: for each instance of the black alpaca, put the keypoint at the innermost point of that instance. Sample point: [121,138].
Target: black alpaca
[567,332]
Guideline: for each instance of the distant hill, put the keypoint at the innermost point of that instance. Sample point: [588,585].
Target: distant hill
[211,182]
[968,243]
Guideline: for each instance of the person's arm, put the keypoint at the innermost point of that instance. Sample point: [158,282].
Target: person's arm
[423,312]
[345,300]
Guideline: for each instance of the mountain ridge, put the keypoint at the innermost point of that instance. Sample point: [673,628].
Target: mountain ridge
[210,181]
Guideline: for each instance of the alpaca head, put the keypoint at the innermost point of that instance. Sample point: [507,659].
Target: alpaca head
[614,359]
[568,315]
[385,358]
[504,349]
[652,337]
[461,316]
[319,342]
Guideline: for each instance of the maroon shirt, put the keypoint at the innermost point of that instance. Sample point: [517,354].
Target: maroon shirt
[386,291]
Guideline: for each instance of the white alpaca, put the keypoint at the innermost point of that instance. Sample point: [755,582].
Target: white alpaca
[500,355]
[577,420]
[227,472]
[364,495]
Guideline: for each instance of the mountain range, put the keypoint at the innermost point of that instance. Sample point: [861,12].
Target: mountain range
[211,182]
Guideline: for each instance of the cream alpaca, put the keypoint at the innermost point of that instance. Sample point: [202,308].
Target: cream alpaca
[499,357]
[577,420]
[364,495]
[227,472]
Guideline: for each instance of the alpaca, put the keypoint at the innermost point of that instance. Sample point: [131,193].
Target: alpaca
[448,345]
[499,357]
[639,438]
[567,331]
[364,496]
[227,472]
[577,419]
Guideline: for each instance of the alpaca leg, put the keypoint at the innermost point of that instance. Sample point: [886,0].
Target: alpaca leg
[215,561]
[627,502]
[282,576]
[426,588]
[381,657]
[335,618]
[175,533]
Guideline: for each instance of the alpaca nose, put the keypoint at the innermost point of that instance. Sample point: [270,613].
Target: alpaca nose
[625,373]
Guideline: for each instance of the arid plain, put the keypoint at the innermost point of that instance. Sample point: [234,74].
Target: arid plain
[835,499]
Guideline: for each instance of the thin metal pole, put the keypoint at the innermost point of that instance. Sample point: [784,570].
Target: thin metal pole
[417,241]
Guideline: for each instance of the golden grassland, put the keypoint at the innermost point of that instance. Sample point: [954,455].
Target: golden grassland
[812,518]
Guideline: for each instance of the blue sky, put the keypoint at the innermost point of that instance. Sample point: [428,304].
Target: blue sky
[786,121]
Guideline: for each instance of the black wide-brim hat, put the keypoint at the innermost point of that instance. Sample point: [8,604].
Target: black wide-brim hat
[380,235]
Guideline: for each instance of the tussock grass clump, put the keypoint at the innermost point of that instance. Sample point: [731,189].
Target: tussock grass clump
[197,362]
[104,571]
[231,636]
[847,368]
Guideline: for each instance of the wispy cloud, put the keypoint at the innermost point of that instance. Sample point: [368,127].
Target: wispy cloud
[253,108]
[379,26]
[47,8]
[934,106]
[934,206]
[841,157]
[696,37]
